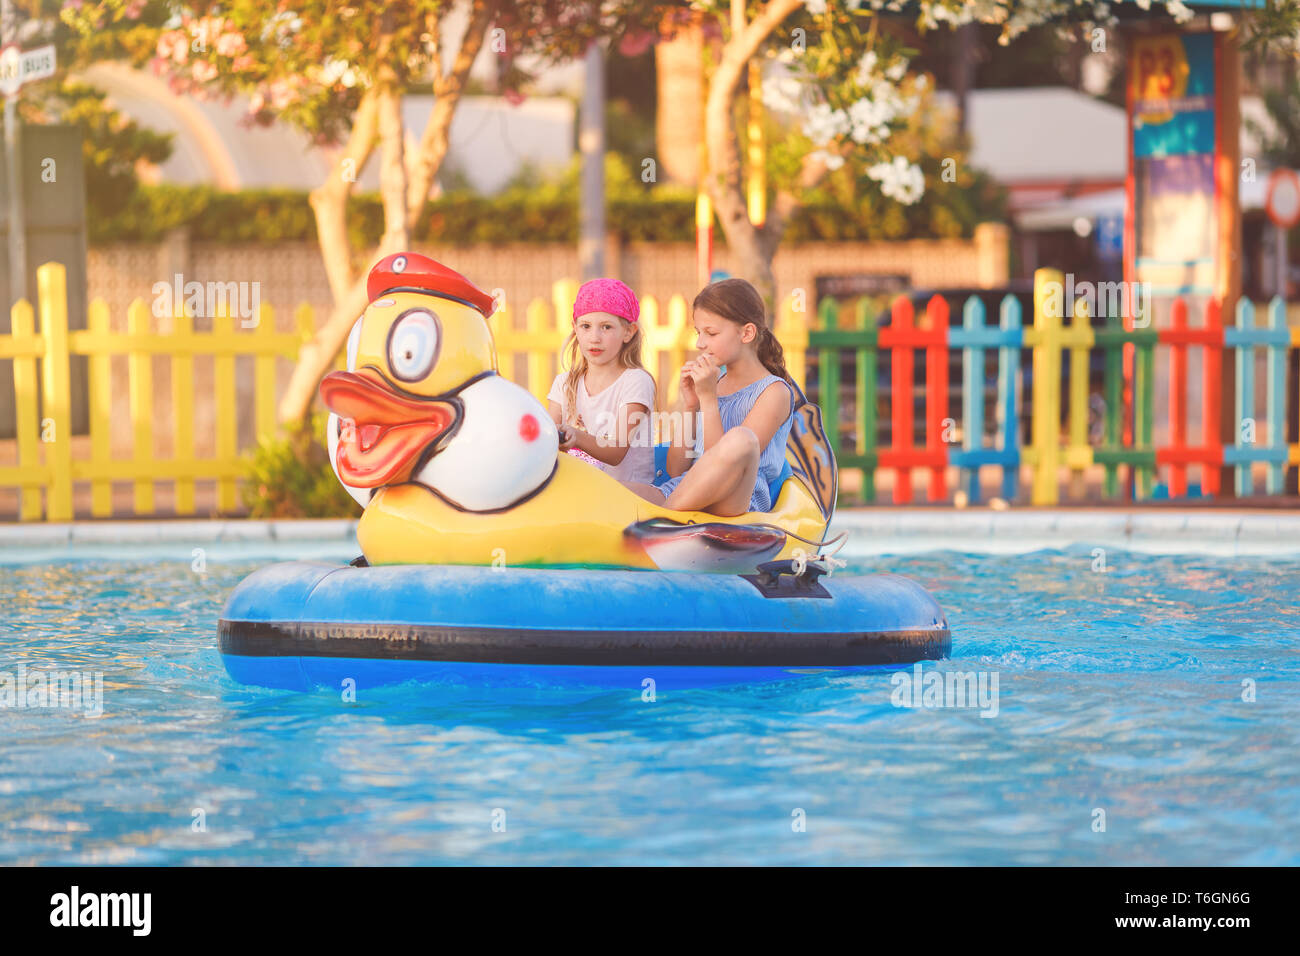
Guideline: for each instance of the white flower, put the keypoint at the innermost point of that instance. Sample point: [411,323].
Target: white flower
[783,94]
[824,124]
[332,71]
[816,7]
[867,118]
[899,180]
[866,66]
[833,161]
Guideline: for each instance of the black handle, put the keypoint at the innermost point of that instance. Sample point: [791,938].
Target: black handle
[769,573]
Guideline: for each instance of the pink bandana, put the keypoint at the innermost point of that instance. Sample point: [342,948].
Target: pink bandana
[607,295]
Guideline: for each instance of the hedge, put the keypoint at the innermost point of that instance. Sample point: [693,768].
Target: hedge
[539,216]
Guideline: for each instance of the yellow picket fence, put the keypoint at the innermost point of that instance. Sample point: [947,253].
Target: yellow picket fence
[47,467]
[43,428]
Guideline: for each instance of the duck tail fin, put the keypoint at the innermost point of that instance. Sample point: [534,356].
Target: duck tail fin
[812,459]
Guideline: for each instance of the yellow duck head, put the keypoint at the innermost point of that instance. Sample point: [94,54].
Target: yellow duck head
[422,402]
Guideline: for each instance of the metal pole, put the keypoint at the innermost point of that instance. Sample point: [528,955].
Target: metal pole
[703,202]
[591,143]
[1281,261]
[13,155]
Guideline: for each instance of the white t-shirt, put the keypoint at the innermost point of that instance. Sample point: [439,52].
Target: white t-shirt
[598,415]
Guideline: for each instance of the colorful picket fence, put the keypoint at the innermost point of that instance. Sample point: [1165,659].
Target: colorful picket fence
[953,449]
[1126,440]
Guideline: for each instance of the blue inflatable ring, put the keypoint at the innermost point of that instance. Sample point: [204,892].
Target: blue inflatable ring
[303,625]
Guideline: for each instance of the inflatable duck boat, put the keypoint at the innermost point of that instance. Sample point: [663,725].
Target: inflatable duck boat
[488,555]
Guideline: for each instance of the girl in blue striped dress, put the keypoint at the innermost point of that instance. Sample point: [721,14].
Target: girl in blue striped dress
[744,410]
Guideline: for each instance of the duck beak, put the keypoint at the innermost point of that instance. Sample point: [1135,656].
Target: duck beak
[381,433]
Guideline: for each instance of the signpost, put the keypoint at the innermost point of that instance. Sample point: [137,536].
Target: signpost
[1282,203]
[1172,174]
[1182,231]
[42,222]
[17,68]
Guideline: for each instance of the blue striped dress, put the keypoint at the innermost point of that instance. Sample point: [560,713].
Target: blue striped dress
[732,409]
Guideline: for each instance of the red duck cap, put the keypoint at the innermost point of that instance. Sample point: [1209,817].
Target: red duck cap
[412,271]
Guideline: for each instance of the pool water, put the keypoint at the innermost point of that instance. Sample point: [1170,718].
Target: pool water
[1121,736]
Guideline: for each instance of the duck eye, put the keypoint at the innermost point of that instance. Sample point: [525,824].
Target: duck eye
[413,345]
[354,342]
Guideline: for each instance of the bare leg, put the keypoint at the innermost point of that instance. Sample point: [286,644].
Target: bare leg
[648,492]
[722,480]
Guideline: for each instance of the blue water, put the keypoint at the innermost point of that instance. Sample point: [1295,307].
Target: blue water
[1118,692]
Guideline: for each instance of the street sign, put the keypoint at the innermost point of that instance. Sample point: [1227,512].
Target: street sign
[1282,202]
[19,67]
[1174,193]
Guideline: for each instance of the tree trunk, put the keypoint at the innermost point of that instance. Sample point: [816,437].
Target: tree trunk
[329,200]
[447,91]
[679,77]
[378,116]
[392,171]
[751,254]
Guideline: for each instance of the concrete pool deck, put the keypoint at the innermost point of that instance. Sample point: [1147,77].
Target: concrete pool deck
[1225,532]
[873,531]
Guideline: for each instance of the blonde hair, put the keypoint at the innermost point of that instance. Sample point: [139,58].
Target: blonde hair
[629,356]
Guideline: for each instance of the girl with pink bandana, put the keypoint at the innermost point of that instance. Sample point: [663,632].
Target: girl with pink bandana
[602,403]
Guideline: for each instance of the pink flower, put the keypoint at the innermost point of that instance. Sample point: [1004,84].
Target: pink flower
[281,95]
[513,97]
[231,44]
[166,42]
[634,44]
[203,71]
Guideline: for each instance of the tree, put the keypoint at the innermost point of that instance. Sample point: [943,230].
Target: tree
[1280,144]
[847,92]
[337,70]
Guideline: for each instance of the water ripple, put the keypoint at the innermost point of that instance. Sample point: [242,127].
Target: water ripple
[1159,696]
